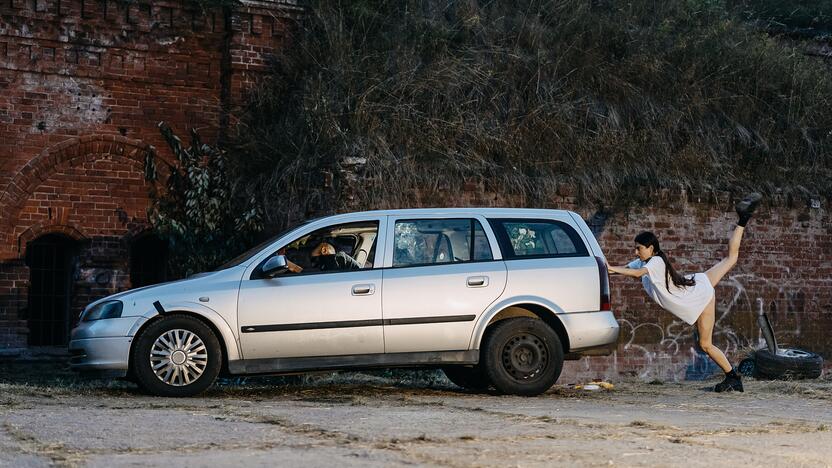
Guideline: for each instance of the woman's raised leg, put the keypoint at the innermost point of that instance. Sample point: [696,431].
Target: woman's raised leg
[745,208]
[716,272]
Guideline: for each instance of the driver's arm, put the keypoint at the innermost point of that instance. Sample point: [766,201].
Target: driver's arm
[348,262]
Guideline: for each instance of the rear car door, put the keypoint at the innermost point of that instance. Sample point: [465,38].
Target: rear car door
[440,274]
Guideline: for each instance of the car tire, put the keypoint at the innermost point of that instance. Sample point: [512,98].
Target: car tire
[468,377]
[788,363]
[522,356]
[192,363]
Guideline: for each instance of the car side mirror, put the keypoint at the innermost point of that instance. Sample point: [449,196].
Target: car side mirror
[275,266]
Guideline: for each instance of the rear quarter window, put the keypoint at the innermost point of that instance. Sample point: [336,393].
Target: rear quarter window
[537,238]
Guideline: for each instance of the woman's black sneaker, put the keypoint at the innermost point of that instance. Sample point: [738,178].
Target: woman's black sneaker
[745,208]
[731,383]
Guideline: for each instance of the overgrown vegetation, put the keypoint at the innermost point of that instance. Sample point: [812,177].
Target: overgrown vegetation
[397,103]
[615,99]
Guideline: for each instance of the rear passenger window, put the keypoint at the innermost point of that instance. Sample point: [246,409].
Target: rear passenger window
[434,241]
[537,238]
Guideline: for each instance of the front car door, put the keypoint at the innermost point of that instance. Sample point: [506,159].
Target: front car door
[440,275]
[331,307]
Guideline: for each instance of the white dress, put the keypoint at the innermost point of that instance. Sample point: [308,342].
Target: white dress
[687,303]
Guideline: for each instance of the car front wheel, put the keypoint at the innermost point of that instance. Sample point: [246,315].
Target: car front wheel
[522,356]
[176,356]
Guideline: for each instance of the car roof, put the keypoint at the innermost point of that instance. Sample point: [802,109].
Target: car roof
[487,212]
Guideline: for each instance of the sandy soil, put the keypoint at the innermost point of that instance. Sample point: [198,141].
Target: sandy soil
[49,418]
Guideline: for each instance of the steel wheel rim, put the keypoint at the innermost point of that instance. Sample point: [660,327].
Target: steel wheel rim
[792,353]
[178,357]
[525,357]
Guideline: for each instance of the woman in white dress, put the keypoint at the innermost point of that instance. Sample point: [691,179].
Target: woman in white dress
[691,298]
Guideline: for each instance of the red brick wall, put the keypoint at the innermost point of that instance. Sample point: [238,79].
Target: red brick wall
[83,84]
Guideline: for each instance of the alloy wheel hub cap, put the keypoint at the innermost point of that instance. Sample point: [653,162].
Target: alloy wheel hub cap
[178,357]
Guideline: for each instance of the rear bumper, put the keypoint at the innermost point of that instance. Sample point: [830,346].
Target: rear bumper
[104,357]
[591,333]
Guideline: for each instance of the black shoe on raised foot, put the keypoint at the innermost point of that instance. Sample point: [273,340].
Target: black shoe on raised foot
[745,208]
[729,384]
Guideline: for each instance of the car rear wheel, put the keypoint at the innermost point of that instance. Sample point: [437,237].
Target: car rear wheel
[468,377]
[176,356]
[522,356]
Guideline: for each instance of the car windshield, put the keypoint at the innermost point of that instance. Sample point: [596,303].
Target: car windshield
[239,259]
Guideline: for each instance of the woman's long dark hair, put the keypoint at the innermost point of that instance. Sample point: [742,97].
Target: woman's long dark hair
[647,239]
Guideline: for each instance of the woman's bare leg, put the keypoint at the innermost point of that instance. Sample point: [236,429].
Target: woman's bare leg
[716,272]
[705,325]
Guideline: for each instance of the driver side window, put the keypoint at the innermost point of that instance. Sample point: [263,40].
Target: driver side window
[341,247]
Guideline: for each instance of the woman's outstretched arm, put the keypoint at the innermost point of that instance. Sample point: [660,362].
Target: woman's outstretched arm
[623,270]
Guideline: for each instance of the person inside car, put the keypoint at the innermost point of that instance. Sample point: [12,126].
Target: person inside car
[326,258]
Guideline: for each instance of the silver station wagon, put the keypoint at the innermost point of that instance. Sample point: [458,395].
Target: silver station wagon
[497,298]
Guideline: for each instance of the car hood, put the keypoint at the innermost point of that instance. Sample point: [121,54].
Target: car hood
[162,288]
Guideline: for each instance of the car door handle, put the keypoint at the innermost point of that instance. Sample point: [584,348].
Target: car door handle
[363,289]
[477,281]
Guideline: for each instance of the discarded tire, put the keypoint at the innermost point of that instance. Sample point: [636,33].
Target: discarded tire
[747,367]
[788,363]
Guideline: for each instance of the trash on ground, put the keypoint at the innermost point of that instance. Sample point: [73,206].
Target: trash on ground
[594,385]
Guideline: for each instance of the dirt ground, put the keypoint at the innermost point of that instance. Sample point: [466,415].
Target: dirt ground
[48,417]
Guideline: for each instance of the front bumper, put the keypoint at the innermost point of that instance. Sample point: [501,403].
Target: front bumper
[102,347]
[106,357]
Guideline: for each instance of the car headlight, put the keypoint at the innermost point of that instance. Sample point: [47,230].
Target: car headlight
[104,310]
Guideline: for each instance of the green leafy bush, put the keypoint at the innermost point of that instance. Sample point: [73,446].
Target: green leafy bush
[198,211]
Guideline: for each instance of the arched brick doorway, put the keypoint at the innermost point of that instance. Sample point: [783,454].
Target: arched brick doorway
[51,260]
[148,261]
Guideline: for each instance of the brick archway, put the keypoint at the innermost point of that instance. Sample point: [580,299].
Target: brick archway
[42,229]
[41,167]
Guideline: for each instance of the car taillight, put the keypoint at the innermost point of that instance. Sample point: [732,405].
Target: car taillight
[604,281]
